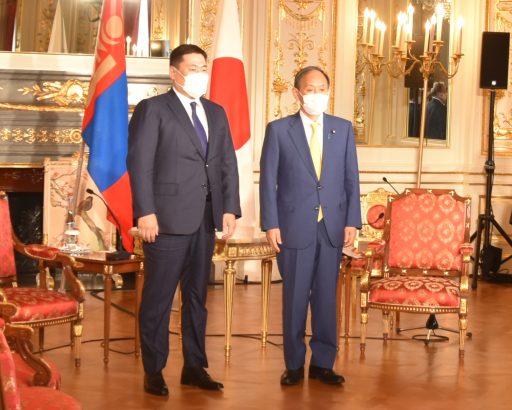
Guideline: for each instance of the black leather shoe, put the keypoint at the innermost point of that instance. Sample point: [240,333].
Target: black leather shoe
[326,376]
[197,376]
[291,377]
[155,384]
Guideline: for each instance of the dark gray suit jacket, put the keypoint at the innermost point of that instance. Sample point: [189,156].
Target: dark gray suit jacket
[169,174]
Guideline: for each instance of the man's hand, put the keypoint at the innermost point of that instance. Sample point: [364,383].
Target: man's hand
[148,227]
[350,236]
[274,238]
[228,226]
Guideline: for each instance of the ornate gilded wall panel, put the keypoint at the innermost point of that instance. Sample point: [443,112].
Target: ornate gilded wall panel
[499,18]
[300,33]
[41,112]
[207,24]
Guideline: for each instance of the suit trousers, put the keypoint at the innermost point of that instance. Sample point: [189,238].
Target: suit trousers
[173,258]
[309,278]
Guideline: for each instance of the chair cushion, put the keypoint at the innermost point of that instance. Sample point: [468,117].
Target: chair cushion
[25,374]
[415,291]
[44,398]
[36,304]
[426,232]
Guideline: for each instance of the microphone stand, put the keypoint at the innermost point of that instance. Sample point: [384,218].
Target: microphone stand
[120,253]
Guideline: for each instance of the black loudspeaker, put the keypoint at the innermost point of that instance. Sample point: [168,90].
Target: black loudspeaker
[494,62]
[491,260]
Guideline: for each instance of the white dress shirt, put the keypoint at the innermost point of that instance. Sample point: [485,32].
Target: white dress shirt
[201,113]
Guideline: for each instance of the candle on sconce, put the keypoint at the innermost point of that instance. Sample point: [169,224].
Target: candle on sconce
[372,16]
[128,42]
[460,23]
[134,50]
[431,37]
[427,33]
[439,17]
[378,33]
[401,21]
[406,37]
[410,17]
[365,24]
[381,43]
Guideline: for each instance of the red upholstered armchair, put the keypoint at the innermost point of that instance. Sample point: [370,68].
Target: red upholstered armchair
[39,307]
[426,259]
[15,393]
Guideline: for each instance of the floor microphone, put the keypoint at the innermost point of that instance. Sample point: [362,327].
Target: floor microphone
[120,253]
[390,184]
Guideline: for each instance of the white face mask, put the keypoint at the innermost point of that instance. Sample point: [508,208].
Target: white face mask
[315,104]
[196,84]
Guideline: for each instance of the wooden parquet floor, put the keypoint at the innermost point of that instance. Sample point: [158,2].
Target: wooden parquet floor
[403,374]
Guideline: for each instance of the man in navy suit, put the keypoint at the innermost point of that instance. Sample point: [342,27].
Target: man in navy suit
[309,196]
[184,179]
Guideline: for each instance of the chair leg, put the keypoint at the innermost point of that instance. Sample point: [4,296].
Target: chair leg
[364,323]
[41,339]
[385,324]
[348,300]
[77,341]
[463,326]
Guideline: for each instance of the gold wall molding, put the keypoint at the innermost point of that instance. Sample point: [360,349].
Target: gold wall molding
[299,33]
[71,93]
[208,15]
[41,135]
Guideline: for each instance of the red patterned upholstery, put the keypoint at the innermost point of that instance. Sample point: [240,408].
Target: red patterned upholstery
[7,267]
[43,398]
[425,259]
[36,304]
[25,374]
[10,393]
[42,251]
[427,232]
[415,290]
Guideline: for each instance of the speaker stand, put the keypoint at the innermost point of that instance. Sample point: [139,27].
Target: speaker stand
[487,219]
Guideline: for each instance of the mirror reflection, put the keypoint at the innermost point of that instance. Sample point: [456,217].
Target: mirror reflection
[389,87]
[152,27]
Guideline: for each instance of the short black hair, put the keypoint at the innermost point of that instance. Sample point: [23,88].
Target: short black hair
[183,49]
[306,70]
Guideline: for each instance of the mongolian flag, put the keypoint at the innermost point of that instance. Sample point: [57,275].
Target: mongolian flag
[105,124]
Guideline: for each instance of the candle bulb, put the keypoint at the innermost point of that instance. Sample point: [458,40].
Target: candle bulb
[410,16]
[128,41]
[365,24]
[401,20]
[460,23]
[381,44]
[134,49]
[431,37]
[427,32]
[377,35]
[372,26]
[439,15]
[406,37]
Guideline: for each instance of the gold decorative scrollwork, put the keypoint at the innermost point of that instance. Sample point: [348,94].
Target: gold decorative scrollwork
[72,92]
[303,10]
[158,27]
[41,135]
[302,43]
[208,15]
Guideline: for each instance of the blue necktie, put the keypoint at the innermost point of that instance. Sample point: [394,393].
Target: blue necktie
[201,133]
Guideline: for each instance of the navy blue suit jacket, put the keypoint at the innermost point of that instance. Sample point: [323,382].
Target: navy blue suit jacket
[169,174]
[290,192]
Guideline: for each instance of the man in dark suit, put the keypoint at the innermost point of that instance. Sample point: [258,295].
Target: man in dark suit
[184,179]
[435,123]
[309,195]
